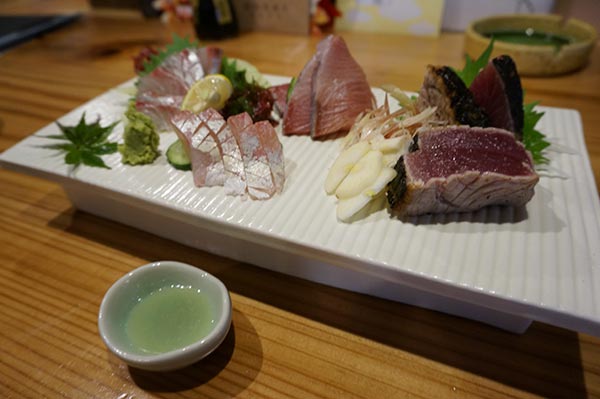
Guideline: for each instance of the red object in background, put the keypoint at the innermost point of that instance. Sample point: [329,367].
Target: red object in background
[325,14]
[141,58]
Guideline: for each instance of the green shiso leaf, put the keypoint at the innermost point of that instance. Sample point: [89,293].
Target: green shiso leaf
[472,67]
[534,140]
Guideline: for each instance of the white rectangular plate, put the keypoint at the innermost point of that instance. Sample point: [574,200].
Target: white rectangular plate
[501,266]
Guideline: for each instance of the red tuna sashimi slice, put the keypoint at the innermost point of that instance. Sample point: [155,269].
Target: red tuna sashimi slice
[497,90]
[259,178]
[200,134]
[298,115]
[341,90]
[279,94]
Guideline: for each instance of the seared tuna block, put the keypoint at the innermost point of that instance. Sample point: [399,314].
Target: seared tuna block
[444,89]
[462,169]
[497,90]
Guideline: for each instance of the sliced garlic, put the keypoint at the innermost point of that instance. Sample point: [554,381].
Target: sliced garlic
[394,144]
[343,164]
[391,159]
[348,207]
[361,176]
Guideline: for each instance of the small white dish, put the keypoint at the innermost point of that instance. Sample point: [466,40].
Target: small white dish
[115,316]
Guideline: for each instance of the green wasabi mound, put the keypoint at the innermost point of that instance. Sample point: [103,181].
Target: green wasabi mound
[140,139]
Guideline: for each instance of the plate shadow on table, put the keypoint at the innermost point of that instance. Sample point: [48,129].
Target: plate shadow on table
[544,361]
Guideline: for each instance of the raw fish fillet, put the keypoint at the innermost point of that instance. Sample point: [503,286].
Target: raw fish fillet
[257,153]
[200,134]
[341,91]
[298,116]
[274,150]
[242,156]
[279,94]
[161,92]
[331,91]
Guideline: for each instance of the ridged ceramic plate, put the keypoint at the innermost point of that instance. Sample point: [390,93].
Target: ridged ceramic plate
[502,266]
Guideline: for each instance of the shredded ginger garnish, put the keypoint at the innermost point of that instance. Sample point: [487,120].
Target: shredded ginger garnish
[380,123]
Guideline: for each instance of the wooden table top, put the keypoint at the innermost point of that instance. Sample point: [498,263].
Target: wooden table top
[290,337]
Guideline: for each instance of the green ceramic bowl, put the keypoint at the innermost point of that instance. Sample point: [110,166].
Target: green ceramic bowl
[535,59]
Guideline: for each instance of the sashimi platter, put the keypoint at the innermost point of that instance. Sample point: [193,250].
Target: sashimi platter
[458,198]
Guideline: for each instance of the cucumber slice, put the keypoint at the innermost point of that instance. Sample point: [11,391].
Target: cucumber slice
[252,74]
[177,156]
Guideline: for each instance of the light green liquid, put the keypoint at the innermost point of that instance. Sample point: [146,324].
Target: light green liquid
[168,319]
[529,36]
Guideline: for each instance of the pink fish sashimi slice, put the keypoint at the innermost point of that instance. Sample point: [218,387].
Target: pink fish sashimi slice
[233,163]
[210,58]
[237,154]
[197,131]
[161,92]
[160,114]
[279,93]
[331,91]
[341,90]
[274,151]
[259,178]
[298,115]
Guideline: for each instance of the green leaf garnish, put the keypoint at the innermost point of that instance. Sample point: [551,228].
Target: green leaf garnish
[236,77]
[177,45]
[291,88]
[472,67]
[247,96]
[534,140]
[84,143]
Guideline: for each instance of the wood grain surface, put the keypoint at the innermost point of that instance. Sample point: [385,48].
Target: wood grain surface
[290,337]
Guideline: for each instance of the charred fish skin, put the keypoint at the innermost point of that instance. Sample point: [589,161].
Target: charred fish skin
[397,188]
[497,90]
[444,89]
[507,69]
[414,144]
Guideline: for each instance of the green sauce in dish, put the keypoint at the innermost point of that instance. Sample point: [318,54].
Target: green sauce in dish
[168,319]
[530,37]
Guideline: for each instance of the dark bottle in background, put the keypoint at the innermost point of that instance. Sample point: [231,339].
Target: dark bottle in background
[215,19]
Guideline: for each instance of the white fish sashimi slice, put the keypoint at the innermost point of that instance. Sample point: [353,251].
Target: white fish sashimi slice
[160,93]
[201,143]
[262,154]
[235,181]
[237,154]
[274,152]
[256,163]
